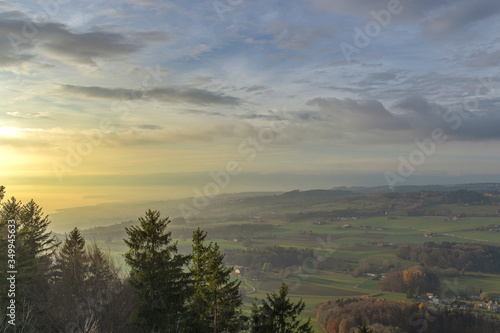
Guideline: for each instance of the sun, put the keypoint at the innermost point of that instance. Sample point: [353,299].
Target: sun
[9,131]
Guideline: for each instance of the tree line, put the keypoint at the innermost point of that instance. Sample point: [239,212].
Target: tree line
[72,286]
[279,257]
[377,315]
[411,281]
[460,256]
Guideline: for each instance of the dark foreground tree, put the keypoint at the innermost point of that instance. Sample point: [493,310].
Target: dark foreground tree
[31,247]
[157,275]
[278,314]
[85,283]
[216,303]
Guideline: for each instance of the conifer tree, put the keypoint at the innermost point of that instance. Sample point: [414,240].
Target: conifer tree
[216,302]
[157,275]
[278,314]
[85,281]
[34,246]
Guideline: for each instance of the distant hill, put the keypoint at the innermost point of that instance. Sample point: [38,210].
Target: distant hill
[478,187]
[241,205]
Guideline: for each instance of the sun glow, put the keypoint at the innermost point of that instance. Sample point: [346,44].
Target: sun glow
[9,131]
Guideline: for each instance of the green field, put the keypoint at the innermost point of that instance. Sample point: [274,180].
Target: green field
[343,242]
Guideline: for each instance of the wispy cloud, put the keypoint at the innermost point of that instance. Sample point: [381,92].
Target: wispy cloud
[172,94]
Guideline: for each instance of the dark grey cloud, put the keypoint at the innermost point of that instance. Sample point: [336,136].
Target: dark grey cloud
[439,19]
[412,117]
[418,105]
[459,16]
[21,39]
[14,49]
[255,88]
[171,94]
[410,9]
[458,121]
[378,78]
[150,127]
[357,115]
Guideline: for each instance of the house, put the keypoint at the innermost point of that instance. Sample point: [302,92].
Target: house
[239,269]
[492,306]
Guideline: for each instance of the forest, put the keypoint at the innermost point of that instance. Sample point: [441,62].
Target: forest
[460,256]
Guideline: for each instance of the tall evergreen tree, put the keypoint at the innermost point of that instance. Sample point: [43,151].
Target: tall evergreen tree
[157,274]
[34,246]
[69,281]
[278,314]
[216,302]
[85,280]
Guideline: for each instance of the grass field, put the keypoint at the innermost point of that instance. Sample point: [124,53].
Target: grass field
[348,245]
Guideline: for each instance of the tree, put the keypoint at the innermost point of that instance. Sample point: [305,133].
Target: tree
[364,328]
[484,296]
[278,314]
[157,274]
[34,247]
[216,302]
[85,281]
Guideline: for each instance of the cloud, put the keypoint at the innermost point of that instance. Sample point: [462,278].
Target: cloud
[410,118]
[357,115]
[484,58]
[438,19]
[172,94]
[150,127]
[44,114]
[414,9]
[255,88]
[13,47]
[384,78]
[84,48]
[458,123]
[22,40]
[460,16]
[199,133]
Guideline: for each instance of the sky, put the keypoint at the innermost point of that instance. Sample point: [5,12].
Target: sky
[141,99]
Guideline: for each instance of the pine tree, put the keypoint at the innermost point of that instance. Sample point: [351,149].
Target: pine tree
[84,282]
[68,289]
[278,314]
[34,247]
[216,302]
[157,274]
